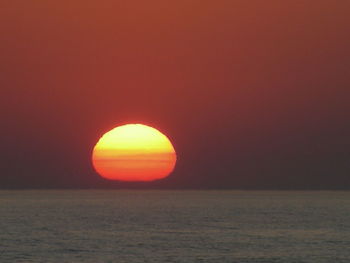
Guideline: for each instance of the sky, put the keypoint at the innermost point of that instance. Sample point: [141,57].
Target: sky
[253,94]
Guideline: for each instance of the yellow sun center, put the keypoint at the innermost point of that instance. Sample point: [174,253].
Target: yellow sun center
[134,152]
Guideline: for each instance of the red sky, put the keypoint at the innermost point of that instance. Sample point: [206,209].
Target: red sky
[253,94]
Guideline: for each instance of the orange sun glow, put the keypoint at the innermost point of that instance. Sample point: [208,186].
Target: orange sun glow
[134,152]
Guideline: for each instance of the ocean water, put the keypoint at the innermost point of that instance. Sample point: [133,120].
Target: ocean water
[174,226]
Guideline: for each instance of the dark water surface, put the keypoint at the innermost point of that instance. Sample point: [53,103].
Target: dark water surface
[174,226]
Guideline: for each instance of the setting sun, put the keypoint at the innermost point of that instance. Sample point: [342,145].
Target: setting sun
[134,152]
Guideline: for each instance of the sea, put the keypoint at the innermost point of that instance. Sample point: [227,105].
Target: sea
[174,226]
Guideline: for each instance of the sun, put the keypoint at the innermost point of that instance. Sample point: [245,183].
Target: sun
[134,152]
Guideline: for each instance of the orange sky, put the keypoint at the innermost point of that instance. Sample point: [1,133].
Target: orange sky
[247,90]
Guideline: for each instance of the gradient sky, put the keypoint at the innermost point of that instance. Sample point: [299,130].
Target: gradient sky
[253,94]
